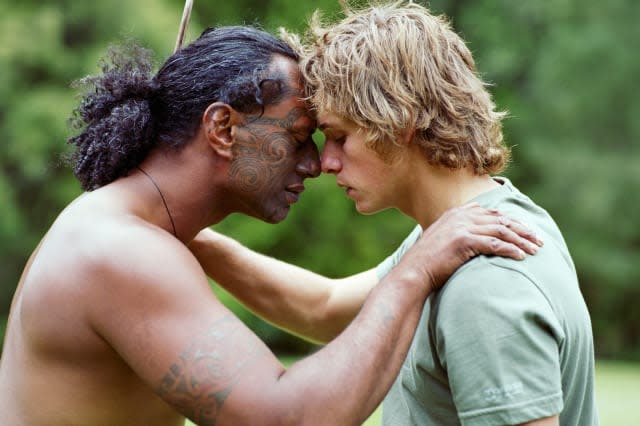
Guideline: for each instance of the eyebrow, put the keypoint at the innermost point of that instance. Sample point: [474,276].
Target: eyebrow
[324,125]
[331,123]
[304,127]
[304,121]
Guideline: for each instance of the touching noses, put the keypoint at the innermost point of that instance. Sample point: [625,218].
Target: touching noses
[330,159]
[309,166]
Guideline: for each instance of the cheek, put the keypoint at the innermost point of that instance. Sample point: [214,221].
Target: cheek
[260,162]
[278,154]
[247,174]
[275,150]
[378,176]
[247,169]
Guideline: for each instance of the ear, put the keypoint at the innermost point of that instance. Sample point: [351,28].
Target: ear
[217,123]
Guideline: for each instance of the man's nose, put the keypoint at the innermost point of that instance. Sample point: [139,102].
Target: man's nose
[310,164]
[330,160]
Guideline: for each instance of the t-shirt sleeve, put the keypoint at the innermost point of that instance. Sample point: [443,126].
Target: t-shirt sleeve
[387,265]
[499,341]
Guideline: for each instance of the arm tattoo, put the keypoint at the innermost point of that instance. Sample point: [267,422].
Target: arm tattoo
[199,382]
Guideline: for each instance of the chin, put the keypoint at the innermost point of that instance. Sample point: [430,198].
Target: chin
[367,210]
[276,216]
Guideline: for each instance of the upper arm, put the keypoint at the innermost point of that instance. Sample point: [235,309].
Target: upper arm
[498,339]
[158,313]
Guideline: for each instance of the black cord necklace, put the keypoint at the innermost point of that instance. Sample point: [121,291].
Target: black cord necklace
[173,225]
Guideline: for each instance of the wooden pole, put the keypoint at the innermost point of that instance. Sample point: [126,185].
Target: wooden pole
[188,5]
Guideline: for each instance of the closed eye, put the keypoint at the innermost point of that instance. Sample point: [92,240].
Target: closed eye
[302,140]
[334,137]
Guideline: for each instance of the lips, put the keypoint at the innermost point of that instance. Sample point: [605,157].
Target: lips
[348,190]
[293,192]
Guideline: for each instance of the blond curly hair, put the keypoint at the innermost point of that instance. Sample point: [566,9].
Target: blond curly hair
[392,68]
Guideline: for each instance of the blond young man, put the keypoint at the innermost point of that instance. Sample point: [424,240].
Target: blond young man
[410,125]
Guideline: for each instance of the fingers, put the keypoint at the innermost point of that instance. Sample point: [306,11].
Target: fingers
[464,232]
[488,231]
[483,244]
[519,232]
[504,232]
[522,230]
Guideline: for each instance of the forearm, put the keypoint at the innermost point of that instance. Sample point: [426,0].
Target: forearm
[351,374]
[365,358]
[303,302]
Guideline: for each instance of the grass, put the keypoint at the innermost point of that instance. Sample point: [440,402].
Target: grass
[617,393]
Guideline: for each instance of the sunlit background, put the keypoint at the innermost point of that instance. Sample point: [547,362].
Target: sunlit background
[566,70]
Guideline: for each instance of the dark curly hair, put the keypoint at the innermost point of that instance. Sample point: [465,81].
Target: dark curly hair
[126,111]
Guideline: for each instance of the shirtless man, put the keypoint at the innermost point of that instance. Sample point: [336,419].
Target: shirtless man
[114,322]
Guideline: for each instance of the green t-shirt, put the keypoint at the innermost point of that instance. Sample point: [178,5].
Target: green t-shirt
[504,342]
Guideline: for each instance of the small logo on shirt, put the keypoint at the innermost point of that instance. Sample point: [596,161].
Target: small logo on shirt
[506,392]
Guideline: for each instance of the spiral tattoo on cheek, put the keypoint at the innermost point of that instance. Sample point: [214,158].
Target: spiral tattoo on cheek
[246,171]
[260,157]
[276,149]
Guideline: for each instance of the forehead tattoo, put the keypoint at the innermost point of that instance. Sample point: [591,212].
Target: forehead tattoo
[286,122]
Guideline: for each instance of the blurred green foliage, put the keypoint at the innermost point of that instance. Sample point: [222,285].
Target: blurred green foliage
[565,70]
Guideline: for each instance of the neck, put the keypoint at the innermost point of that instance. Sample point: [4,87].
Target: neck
[436,189]
[164,201]
[182,200]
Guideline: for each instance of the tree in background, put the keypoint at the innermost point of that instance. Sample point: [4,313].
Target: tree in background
[565,70]
[43,47]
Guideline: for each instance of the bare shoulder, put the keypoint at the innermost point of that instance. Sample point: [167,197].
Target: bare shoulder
[130,266]
[94,260]
[144,270]
[88,246]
